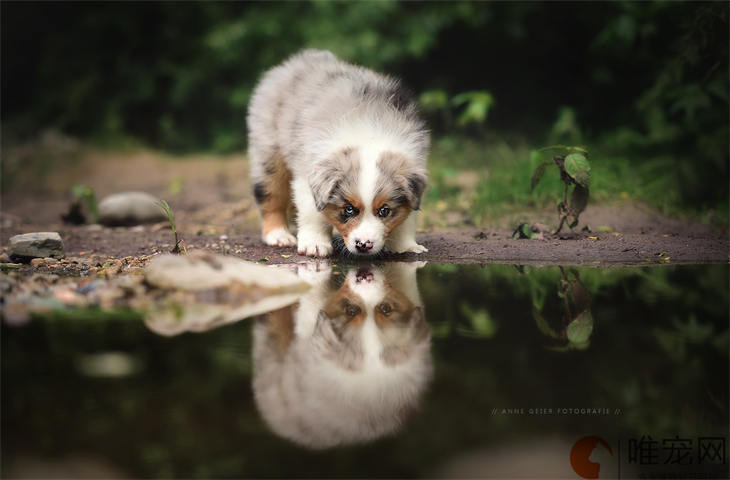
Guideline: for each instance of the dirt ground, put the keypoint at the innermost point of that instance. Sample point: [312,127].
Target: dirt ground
[214,210]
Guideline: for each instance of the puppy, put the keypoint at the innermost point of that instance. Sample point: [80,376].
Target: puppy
[347,146]
[345,365]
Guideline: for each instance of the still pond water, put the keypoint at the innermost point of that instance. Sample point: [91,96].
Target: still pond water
[396,370]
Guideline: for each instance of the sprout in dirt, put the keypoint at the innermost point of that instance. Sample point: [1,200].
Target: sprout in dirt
[171,218]
[83,195]
[574,170]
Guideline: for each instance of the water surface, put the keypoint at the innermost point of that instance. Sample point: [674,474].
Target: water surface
[390,371]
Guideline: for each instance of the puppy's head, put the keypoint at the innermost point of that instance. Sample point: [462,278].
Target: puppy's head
[366,193]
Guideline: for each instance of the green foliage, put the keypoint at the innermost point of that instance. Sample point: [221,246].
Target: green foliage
[523,230]
[477,105]
[434,100]
[574,170]
[474,107]
[180,76]
[86,195]
[644,83]
[83,196]
[566,127]
[481,324]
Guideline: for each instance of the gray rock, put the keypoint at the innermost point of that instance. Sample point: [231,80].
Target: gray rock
[130,208]
[36,245]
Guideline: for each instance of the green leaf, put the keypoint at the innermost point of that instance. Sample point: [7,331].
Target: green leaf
[577,166]
[440,330]
[535,156]
[523,230]
[477,102]
[543,325]
[86,194]
[578,201]
[537,175]
[482,324]
[580,329]
[433,100]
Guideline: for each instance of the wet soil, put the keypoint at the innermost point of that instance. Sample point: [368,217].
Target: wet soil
[215,211]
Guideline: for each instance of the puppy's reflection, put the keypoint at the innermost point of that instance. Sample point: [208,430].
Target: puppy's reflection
[349,363]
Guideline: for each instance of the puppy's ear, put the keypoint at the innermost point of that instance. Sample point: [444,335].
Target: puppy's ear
[324,182]
[416,185]
[405,174]
[333,175]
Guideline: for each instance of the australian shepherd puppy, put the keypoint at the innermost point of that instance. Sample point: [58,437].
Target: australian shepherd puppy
[346,145]
[349,363]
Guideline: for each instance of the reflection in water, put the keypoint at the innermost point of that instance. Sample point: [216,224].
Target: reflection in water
[202,291]
[499,404]
[349,362]
[576,327]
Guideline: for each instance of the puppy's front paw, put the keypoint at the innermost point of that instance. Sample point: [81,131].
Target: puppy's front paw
[413,248]
[314,245]
[280,237]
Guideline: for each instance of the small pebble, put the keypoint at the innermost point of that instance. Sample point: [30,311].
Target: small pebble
[130,208]
[36,245]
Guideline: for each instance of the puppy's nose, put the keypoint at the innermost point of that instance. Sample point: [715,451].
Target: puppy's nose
[363,247]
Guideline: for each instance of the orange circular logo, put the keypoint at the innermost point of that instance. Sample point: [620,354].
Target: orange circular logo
[581,452]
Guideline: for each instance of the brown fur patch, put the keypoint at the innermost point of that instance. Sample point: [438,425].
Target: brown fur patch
[281,328]
[342,303]
[394,308]
[276,197]
[398,212]
[334,213]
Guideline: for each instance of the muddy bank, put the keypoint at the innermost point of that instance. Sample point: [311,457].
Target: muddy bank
[95,245]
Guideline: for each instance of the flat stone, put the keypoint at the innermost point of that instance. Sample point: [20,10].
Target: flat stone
[36,245]
[130,208]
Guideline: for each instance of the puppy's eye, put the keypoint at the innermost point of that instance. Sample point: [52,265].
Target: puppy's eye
[350,211]
[385,308]
[383,211]
[352,310]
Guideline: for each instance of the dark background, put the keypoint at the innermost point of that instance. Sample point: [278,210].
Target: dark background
[647,79]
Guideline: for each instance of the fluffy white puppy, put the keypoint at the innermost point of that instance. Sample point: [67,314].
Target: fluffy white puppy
[347,146]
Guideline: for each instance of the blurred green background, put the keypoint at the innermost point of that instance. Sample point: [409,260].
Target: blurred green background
[644,85]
